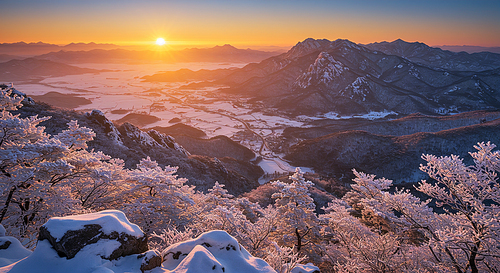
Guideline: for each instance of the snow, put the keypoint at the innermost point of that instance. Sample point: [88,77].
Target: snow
[203,259]
[370,116]
[14,252]
[305,268]
[213,250]
[109,220]
[121,87]
[45,259]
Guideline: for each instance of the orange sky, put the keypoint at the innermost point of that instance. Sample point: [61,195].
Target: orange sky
[250,23]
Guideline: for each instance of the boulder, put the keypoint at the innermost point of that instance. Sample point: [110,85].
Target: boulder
[151,259]
[111,229]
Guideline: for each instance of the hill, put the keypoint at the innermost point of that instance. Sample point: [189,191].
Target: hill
[30,68]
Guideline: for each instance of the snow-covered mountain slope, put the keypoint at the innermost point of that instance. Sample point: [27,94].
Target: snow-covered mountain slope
[131,144]
[321,76]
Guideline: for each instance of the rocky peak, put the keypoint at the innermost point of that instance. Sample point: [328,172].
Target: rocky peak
[110,129]
[324,69]
[308,46]
[167,141]
[134,136]
[357,90]
[400,48]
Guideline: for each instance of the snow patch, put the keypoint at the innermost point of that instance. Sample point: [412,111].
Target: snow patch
[369,116]
[305,268]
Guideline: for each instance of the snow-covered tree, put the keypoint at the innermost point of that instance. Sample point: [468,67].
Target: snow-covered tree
[466,235]
[156,196]
[34,167]
[44,175]
[299,224]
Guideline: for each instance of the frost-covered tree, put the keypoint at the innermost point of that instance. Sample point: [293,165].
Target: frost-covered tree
[351,246]
[156,196]
[299,224]
[35,167]
[43,175]
[466,236]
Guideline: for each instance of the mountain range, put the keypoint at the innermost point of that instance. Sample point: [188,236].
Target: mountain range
[391,148]
[321,76]
[31,49]
[225,53]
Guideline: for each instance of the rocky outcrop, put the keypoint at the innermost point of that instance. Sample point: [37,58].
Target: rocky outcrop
[150,259]
[90,239]
[111,229]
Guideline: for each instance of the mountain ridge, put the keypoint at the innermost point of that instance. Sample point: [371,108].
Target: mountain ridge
[395,77]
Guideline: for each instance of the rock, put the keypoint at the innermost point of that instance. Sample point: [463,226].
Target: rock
[151,259]
[111,229]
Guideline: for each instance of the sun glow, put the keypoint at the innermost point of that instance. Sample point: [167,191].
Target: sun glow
[160,41]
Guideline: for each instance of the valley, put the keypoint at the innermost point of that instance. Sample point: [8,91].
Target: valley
[121,91]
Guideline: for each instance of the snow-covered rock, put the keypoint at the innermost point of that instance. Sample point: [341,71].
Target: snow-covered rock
[167,141]
[96,242]
[214,251]
[108,126]
[11,250]
[110,229]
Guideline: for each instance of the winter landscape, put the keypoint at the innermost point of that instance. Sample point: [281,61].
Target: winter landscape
[246,136]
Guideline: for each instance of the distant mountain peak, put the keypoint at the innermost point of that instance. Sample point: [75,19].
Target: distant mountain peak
[308,46]
[225,47]
[324,70]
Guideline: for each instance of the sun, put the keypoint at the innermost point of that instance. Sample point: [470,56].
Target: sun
[160,41]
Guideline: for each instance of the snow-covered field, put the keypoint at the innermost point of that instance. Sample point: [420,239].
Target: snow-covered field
[120,88]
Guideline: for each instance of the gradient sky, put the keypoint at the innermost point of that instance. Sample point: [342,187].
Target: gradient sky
[250,23]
